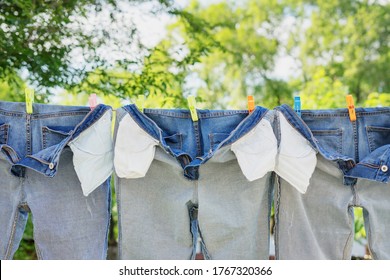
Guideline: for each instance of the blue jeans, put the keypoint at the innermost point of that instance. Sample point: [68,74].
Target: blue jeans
[46,161]
[352,170]
[178,180]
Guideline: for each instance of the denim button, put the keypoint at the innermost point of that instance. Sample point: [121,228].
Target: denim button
[384,168]
[51,165]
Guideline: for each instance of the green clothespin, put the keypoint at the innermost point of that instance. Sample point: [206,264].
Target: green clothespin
[192,106]
[140,102]
[29,100]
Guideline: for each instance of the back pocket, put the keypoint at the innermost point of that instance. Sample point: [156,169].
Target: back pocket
[54,134]
[175,141]
[4,128]
[331,140]
[377,136]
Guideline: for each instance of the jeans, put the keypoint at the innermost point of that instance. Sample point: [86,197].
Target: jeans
[55,164]
[178,180]
[351,171]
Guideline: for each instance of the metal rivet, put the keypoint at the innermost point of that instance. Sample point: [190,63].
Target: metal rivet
[51,165]
[384,168]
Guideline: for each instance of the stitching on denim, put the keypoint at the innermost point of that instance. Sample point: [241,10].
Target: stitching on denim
[271,185]
[11,240]
[350,237]
[342,114]
[5,128]
[370,130]
[338,133]
[119,207]
[90,124]
[38,159]
[46,131]
[180,136]
[214,141]
[368,165]
[59,115]
[277,213]
[356,140]
[186,114]
[11,114]
[105,247]
[37,249]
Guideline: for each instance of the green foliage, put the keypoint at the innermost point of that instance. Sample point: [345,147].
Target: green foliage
[322,92]
[350,39]
[220,52]
[229,50]
[11,88]
[376,99]
[360,232]
[26,250]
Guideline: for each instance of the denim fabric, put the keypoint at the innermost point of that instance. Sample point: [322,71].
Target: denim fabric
[352,170]
[167,166]
[41,172]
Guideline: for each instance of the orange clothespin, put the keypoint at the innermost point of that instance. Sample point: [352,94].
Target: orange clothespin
[351,108]
[251,103]
[92,100]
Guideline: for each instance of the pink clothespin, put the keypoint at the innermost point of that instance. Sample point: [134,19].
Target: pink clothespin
[92,101]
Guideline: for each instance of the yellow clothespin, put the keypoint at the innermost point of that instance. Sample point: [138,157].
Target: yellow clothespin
[251,103]
[29,100]
[140,102]
[351,108]
[192,105]
[92,100]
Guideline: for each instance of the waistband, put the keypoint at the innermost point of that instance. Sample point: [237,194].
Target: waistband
[18,109]
[372,167]
[191,168]
[45,161]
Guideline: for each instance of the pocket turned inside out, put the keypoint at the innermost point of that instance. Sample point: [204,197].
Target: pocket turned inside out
[54,134]
[377,136]
[330,140]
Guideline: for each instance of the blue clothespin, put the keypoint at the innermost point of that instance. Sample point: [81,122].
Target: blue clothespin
[297,105]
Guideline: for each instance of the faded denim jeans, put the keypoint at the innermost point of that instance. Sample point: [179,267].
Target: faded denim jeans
[178,180]
[352,170]
[55,164]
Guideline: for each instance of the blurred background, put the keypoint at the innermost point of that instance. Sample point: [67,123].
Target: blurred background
[218,51]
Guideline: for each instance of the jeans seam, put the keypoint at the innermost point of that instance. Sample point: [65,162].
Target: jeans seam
[105,249]
[277,206]
[350,236]
[118,205]
[37,250]
[11,238]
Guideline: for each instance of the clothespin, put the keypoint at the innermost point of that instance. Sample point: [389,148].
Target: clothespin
[192,106]
[92,100]
[29,100]
[351,108]
[297,105]
[140,102]
[251,103]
